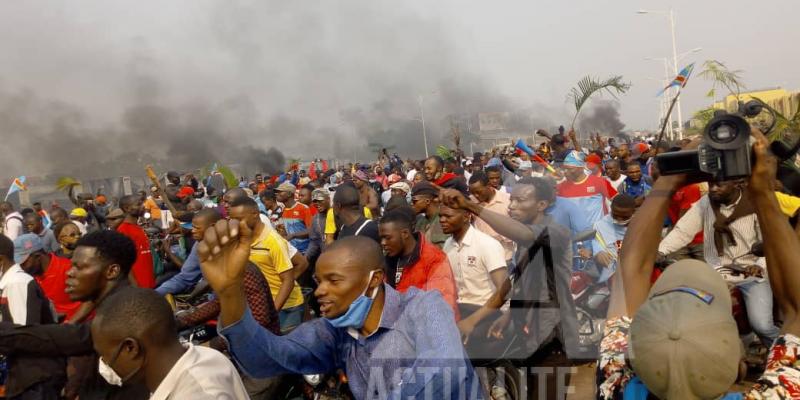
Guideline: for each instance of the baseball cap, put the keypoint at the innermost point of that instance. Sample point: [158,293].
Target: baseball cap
[683,339]
[593,160]
[361,175]
[402,186]
[25,245]
[78,212]
[286,187]
[115,213]
[424,188]
[574,159]
[185,191]
[639,149]
[319,194]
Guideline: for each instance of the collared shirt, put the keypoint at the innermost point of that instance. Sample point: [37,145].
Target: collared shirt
[270,253]
[201,373]
[473,260]
[416,351]
[701,217]
[498,204]
[189,275]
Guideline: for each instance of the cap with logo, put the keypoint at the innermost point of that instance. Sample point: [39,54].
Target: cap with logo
[25,245]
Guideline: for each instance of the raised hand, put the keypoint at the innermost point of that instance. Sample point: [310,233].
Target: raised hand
[223,254]
[454,199]
[762,177]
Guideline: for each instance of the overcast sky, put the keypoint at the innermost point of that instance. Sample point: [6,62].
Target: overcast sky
[286,66]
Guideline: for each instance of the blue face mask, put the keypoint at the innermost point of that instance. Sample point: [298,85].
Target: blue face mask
[357,312]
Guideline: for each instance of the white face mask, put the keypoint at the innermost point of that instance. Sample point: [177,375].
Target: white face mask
[108,373]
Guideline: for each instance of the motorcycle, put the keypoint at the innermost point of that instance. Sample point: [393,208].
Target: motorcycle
[591,297]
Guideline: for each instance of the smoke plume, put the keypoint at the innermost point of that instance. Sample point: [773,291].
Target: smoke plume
[603,118]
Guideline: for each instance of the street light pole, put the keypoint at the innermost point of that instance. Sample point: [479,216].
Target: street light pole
[675,67]
[422,119]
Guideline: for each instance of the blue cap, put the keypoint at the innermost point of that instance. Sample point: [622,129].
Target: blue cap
[25,245]
[186,225]
[574,159]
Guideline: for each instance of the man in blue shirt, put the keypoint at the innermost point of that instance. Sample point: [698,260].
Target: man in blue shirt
[190,272]
[391,345]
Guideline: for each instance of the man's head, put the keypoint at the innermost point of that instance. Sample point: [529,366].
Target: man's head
[130,329]
[360,179]
[612,169]
[285,192]
[33,223]
[344,271]
[305,194]
[530,197]
[67,234]
[400,189]
[574,166]
[434,167]
[245,209]
[37,206]
[623,151]
[269,198]
[634,172]
[725,192]
[202,220]
[132,206]
[194,206]
[100,259]
[321,199]
[231,196]
[6,207]
[346,198]
[480,188]
[684,343]
[397,230]
[29,254]
[423,195]
[114,218]
[453,220]
[259,178]
[495,177]
[58,216]
[174,178]
[622,208]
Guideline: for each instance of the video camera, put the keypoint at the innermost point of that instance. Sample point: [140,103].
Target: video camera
[725,153]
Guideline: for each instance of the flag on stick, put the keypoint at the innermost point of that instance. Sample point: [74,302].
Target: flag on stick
[680,80]
[17,185]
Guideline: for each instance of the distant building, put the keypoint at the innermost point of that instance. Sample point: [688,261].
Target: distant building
[780,99]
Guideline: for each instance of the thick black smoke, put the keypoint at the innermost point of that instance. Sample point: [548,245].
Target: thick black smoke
[603,118]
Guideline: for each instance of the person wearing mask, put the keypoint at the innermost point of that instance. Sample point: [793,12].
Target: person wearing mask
[49,271]
[347,208]
[435,174]
[12,221]
[34,224]
[425,202]
[270,253]
[545,330]
[681,328]
[296,217]
[142,271]
[635,185]
[101,264]
[727,218]
[190,273]
[495,200]
[134,333]
[609,233]
[613,174]
[68,235]
[587,192]
[79,216]
[389,344]
[22,302]
[367,196]
[411,261]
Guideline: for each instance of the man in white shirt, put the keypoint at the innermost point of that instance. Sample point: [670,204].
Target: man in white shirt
[12,223]
[493,200]
[614,174]
[134,334]
[479,268]
[730,228]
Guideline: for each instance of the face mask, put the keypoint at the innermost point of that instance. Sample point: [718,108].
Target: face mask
[357,312]
[111,376]
[622,222]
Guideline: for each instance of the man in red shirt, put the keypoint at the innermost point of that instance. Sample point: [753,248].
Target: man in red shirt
[412,260]
[50,272]
[587,192]
[142,270]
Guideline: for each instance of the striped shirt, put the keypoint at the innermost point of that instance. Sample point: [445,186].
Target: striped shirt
[700,216]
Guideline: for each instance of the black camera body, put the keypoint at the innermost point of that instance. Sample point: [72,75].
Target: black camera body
[725,153]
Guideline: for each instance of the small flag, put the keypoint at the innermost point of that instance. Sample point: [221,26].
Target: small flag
[679,80]
[17,185]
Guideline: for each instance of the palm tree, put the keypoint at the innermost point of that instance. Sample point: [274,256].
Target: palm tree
[588,86]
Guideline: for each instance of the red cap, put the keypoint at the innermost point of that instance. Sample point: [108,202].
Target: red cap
[593,159]
[185,191]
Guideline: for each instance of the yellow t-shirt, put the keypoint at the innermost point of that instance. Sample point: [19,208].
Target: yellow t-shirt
[789,204]
[330,222]
[270,253]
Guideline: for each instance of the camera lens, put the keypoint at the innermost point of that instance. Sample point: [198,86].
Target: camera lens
[724,132]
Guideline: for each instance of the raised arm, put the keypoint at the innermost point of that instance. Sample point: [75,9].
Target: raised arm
[781,245]
[502,224]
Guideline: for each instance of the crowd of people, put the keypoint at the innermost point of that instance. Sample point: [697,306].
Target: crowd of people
[415,279]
